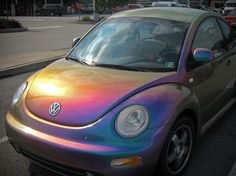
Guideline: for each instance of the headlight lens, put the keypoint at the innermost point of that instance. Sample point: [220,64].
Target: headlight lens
[132,121]
[19,93]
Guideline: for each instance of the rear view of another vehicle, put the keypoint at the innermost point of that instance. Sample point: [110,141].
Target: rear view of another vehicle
[231,18]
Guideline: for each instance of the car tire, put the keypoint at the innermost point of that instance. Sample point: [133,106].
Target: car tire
[51,13]
[178,148]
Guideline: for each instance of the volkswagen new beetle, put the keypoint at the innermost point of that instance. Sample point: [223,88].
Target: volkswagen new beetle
[132,96]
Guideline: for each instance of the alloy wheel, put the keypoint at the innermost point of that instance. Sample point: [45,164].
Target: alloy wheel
[179,149]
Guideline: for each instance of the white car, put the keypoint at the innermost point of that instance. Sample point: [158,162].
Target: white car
[167,4]
[229,6]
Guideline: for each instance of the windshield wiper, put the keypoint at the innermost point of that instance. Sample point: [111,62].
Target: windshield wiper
[120,67]
[77,60]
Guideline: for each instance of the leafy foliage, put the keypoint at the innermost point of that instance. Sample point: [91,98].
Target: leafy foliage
[5,23]
[86,18]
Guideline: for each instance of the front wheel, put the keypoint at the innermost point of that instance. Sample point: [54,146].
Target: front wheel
[178,147]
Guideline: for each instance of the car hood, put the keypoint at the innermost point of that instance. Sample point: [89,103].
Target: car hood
[85,93]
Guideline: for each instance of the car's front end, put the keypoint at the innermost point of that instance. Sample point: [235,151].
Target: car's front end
[89,134]
[95,149]
[108,107]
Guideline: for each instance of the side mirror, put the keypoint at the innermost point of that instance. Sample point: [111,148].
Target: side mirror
[203,55]
[75,41]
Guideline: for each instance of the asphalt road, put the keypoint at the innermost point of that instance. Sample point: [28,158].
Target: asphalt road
[45,34]
[214,155]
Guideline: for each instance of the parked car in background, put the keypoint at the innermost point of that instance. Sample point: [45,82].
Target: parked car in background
[231,18]
[87,9]
[229,6]
[131,98]
[199,5]
[104,10]
[127,7]
[50,10]
[167,4]
[182,3]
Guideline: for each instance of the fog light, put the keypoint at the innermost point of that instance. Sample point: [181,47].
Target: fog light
[126,162]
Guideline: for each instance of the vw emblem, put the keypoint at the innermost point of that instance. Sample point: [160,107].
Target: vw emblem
[54,109]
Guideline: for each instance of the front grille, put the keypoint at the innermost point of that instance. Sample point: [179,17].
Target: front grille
[57,168]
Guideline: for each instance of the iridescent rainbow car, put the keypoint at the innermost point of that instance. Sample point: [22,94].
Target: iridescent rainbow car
[131,97]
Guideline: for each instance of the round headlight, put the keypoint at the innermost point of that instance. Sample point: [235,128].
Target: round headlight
[19,93]
[132,121]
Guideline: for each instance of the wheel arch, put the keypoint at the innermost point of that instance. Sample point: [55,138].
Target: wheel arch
[190,113]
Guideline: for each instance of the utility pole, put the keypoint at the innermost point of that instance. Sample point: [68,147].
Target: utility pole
[95,14]
[94,6]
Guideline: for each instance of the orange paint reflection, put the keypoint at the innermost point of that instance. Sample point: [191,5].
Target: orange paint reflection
[51,88]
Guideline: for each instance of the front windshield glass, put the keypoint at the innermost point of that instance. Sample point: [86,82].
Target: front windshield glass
[146,44]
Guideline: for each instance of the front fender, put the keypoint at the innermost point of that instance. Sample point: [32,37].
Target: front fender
[164,102]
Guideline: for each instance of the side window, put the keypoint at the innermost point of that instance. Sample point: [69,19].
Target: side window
[209,36]
[229,36]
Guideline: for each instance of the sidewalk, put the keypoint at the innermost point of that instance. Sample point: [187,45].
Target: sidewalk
[19,63]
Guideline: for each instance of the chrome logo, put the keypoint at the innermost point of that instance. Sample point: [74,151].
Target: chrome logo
[54,109]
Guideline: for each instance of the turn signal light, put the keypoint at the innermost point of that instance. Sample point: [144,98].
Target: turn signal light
[126,162]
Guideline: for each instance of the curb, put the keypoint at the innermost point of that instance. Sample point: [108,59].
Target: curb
[13,30]
[23,68]
[86,22]
[233,170]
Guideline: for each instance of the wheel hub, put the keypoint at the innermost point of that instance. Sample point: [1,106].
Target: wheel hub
[179,150]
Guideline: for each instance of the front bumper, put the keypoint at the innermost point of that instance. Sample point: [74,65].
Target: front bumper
[72,157]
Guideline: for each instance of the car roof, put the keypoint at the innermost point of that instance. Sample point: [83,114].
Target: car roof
[170,13]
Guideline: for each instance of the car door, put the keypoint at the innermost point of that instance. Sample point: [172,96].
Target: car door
[213,81]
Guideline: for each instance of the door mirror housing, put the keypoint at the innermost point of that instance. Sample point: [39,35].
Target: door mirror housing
[203,55]
[75,41]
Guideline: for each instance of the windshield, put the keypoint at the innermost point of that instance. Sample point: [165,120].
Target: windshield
[145,44]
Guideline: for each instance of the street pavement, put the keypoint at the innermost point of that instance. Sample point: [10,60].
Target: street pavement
[47,38]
